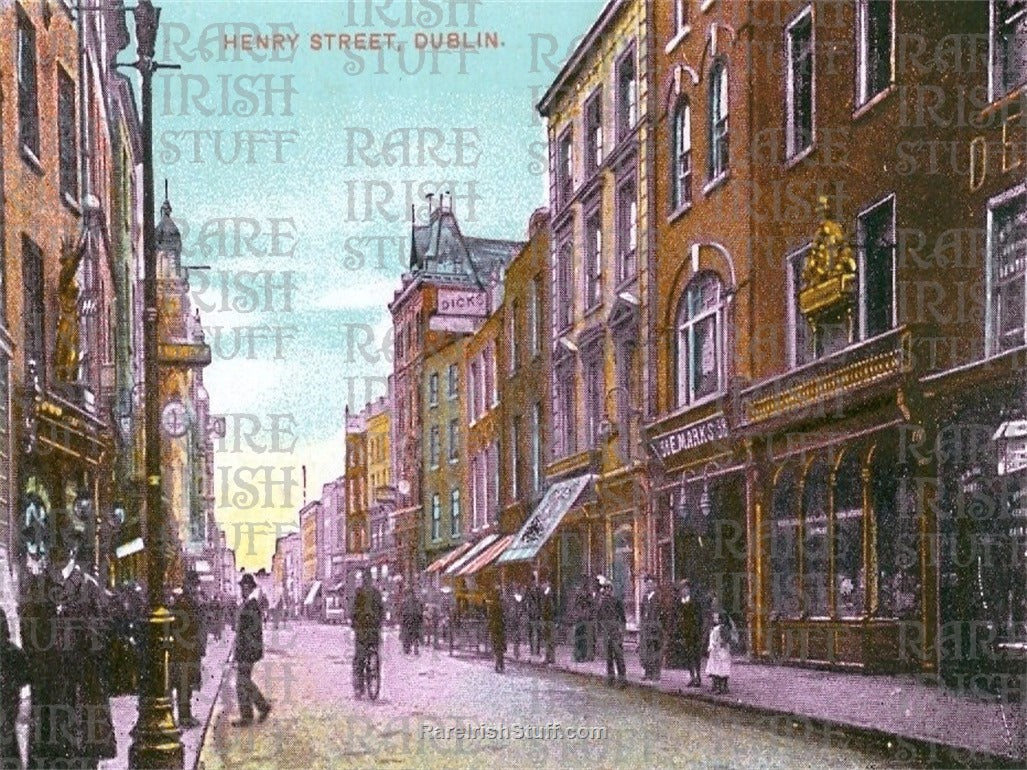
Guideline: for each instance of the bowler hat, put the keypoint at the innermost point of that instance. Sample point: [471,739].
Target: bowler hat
[248,580]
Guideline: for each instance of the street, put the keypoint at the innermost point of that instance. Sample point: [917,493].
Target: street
[528,717]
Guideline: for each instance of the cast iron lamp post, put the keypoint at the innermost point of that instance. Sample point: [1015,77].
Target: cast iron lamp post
[156,740]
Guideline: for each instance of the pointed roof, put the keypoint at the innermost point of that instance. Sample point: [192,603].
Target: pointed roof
[440,249]
[168,236]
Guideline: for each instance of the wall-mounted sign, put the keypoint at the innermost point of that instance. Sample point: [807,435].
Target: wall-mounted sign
[690,436]
[454,324]
[463,302]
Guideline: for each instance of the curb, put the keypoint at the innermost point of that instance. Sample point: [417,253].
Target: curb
[930,753]
[213,708]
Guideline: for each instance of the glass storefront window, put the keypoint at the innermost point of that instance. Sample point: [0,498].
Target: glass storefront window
[623,547]
[849,588]
[815,540]
[784,545]
[898,538]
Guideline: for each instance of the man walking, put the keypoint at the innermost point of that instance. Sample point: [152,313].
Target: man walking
[650,641]
[497,629]
[689,633]
[249,648]
[611,620]
[547,617]
[189,645]
[532,608]
[366,618]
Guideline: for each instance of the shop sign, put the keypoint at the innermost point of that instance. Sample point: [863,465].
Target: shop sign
[691,436]
[1012,446]
[463,302]
[454,324]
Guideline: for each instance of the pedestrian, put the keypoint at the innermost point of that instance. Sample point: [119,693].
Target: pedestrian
[718,667]
[611,621]
[249,648]
[514,608]
[366,617]
[13,676]
[593,627]
[532,610]
[410,621]
[687,644]
[650,641]
[188,647]
[582,619]
[497,629]
[547,619]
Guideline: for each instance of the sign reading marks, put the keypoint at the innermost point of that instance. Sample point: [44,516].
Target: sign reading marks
[691,436]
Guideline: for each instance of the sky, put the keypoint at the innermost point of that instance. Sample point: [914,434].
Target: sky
[291,175]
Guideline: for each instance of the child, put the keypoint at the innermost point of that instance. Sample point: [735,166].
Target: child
[13,676]
[718,667]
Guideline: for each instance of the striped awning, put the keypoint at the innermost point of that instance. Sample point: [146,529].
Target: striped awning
[447,558]
[486,557]
[476,549]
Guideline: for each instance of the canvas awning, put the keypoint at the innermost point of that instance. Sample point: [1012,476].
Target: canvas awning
[485,557]
[477,548]
[540,526]
[447,558]
[312,593]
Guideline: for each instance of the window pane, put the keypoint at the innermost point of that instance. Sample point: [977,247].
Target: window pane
[878,249]
[879,49]
[704,356]
[1009,242]
[849,584]
[898,539]
[803,339]
[1010,45]
[815,541]
[800,88]
[784,562]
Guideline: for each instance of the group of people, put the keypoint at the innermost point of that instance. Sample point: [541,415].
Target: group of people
[671,628]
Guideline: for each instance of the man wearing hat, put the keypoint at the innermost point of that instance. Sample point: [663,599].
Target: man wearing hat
[249,648]
[611,620]
[189,643]
[650,637]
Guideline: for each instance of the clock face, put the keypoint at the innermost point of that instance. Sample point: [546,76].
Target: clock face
[174,418]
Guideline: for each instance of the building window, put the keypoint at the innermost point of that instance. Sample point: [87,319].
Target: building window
[563,306]
[490,391]
[1008,260]
[66,130]
[815,540]
[717,163]
[801,333]
[536,316]
[454,512]
[681,155]
[593,367]
[511,336]
[477,491]
[701,331]
[454,440]
[565,412]
[849,581]
[28,96]
[627,94]
[433,389]
[564,168]
[784,546]
[874,48]
[454,381]
[34,306]
[799,84]
[594,133]
[627,229]
[515,466]
[876,237]
[436,517]
[493,482]
[433,446]
[593,259]
[473,386]
[536,447]
[1008,46]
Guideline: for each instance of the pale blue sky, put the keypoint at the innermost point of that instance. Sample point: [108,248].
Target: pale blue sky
[318,190]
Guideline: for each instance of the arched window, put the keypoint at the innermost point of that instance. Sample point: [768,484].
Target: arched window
[700,339]
[717,127]
[681,157]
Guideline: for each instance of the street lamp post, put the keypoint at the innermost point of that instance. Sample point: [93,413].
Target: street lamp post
[156,740]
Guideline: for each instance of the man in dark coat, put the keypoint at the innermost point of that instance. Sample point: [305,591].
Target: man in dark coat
[514,610]
[411,612]
[650,636]
[497,628]
[611,621]
[547,617]
[532,611]
[249,648]
[688,633]
[14,674]
[366,617]
[583,616]
[189,645]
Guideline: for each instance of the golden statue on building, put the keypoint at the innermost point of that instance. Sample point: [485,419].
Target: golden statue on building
[67,355]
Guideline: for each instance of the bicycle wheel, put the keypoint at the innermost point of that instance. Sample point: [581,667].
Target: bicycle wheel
[373,675]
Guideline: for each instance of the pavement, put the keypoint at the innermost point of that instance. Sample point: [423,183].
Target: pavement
[124,710]
[899,713]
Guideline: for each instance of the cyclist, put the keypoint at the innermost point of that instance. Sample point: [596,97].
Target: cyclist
[366,618]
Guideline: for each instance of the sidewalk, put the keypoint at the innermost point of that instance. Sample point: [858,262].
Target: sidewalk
[943,726]
[124,711]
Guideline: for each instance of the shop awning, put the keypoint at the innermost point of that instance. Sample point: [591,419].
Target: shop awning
[446,559]
[476,549]
[486,557]
[312,593]
[540,526]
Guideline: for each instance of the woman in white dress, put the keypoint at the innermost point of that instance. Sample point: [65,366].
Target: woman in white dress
[718,666]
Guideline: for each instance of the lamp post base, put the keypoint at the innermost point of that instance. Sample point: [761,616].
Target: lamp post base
[156,739]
